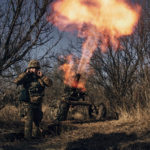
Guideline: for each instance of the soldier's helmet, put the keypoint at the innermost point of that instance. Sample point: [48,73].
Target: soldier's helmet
[34,64]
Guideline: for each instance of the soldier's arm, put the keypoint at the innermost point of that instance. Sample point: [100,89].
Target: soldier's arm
[20,79]
[48,82]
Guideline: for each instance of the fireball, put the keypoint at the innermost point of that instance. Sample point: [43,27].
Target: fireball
[96,20]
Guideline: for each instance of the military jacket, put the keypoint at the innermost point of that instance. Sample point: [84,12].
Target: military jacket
[33,85]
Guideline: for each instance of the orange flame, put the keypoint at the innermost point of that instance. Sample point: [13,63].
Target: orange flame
[70,74]
[96,20]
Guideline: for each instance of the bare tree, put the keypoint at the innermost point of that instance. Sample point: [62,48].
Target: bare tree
[122,72]
[23,27]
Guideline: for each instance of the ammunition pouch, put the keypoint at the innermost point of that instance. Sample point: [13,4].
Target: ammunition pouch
[36,91]
[36,99]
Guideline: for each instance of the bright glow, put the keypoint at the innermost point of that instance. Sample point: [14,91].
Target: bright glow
[104,20]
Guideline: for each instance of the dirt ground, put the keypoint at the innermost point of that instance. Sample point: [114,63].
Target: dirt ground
[73,135]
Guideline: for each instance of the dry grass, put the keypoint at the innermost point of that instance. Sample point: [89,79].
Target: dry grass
[137,114]
[130,128]
[49,112]
[9,113]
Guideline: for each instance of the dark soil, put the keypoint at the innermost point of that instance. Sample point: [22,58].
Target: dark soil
[72,135]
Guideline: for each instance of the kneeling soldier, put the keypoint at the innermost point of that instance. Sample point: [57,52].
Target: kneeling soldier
[33,84]
[70,94]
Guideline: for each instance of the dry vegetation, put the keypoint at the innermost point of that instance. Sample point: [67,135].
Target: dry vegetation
[131,131]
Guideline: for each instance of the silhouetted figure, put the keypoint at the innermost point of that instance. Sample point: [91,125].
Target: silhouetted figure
[70,94]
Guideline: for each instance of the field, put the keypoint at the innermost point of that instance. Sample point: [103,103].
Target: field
[130,132]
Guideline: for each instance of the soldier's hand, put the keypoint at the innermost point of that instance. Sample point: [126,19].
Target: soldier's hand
[39,73]
[28,71]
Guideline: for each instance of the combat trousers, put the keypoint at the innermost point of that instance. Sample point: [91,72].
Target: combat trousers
[32,118]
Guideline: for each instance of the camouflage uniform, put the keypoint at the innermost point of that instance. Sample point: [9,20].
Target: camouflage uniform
[70,94]
[33,92]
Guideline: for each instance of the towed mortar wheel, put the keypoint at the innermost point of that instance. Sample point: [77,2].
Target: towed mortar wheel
[97,112]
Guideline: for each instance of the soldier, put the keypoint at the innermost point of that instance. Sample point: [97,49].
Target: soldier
[71,94]
[33,84]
